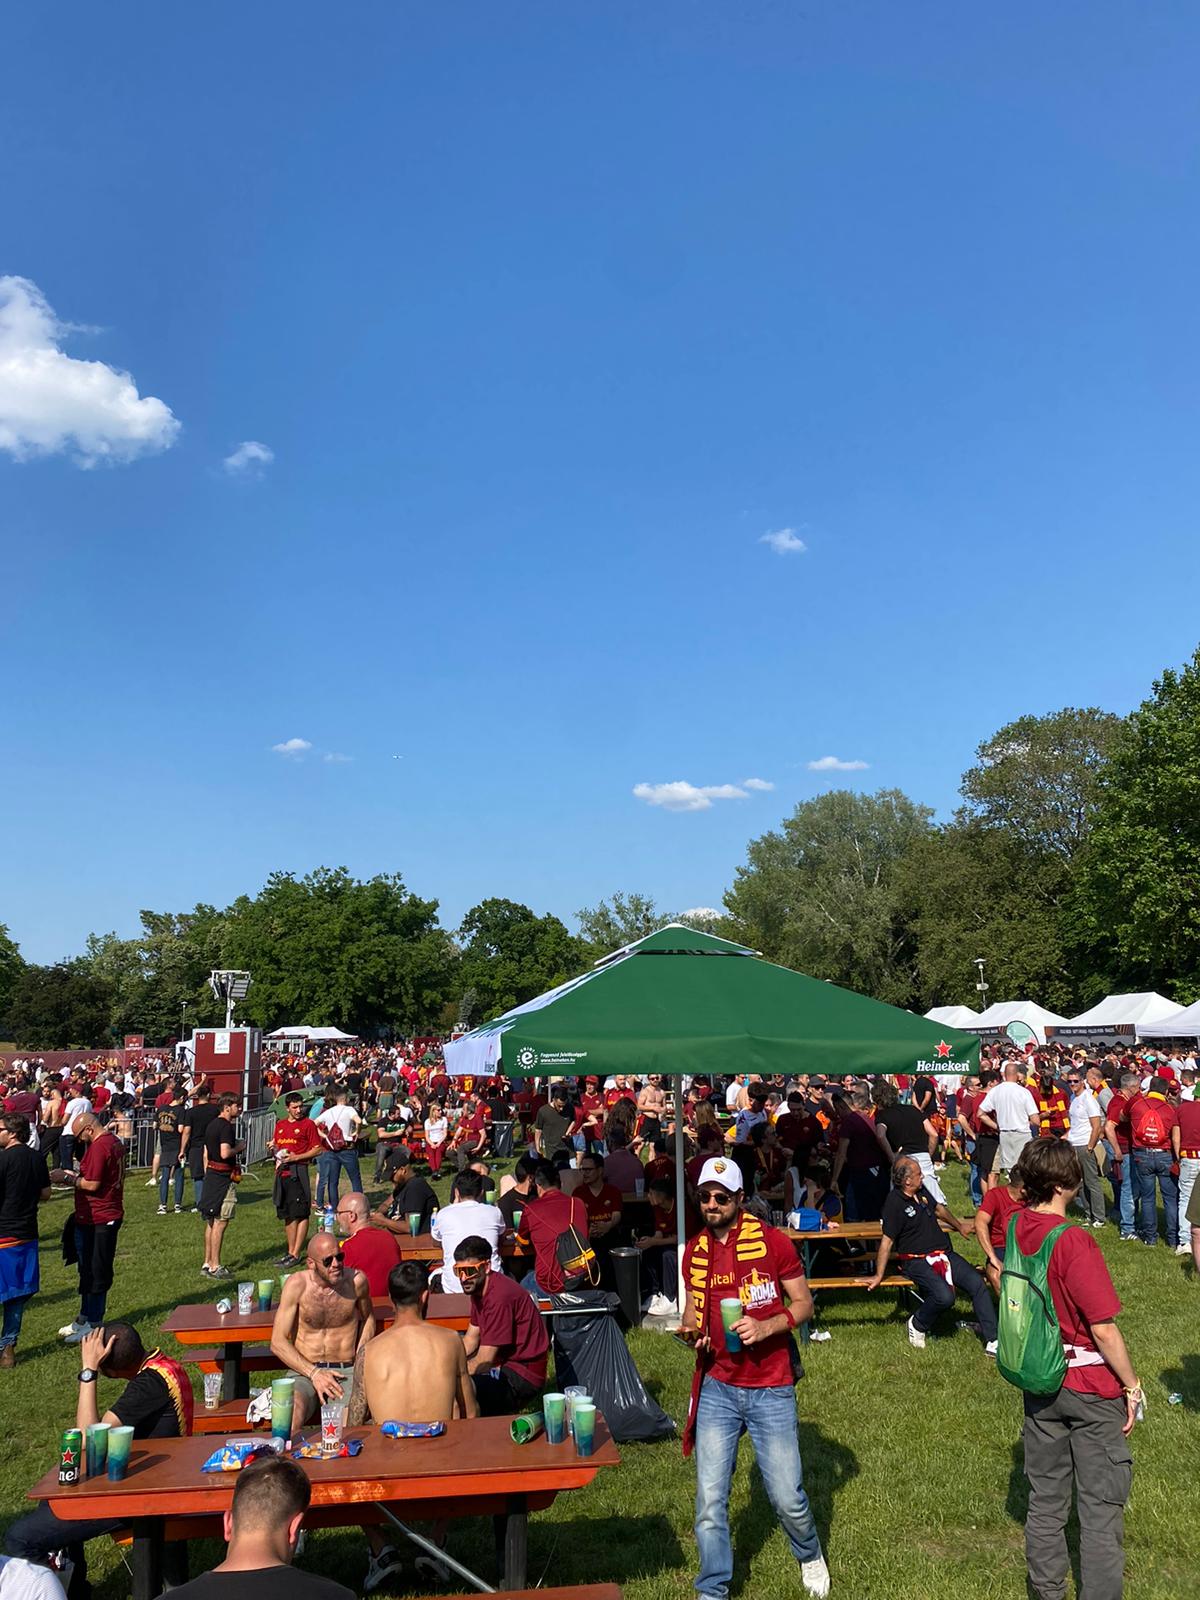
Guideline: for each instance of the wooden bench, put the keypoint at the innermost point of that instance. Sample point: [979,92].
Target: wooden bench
[255,1358]
[858,1280]
[229,1417]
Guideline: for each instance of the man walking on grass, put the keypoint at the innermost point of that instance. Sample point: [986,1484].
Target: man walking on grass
[744,1384]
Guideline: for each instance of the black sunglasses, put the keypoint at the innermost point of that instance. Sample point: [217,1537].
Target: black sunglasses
[719,1197]
[338,1255]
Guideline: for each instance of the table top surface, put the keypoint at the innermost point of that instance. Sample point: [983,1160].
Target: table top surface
[165,1479]
[202,1323]
[843,1230]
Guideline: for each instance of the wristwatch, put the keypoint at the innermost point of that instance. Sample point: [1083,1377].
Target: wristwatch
[87,1375]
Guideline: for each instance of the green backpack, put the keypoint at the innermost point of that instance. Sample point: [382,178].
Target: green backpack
[1030,1352]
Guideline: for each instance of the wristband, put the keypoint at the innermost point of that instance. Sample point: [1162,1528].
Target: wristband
[790,1315]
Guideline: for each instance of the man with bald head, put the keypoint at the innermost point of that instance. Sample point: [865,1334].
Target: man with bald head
[324,1317]
[368,1249]
[99,1211]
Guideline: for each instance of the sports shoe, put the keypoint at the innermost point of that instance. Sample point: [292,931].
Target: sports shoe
[79,1335]
[219,1272]
[433,1569]
[915,1337]
[815,1575]
[1183,1249]
[383,1566]
[206,1270]
[71,1327]
[150,1182]
[1128,1238]
[991,1347]
[286,1261]
[660,1306]
[162,1211]
[178,1211]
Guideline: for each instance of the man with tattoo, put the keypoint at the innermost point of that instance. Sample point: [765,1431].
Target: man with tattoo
[325,1316]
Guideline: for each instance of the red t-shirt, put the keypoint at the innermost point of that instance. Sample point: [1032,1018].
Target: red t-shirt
[1189,1127]
[1118,1115]
[374,1252]
[798,1130]
[542,1221]
[968,1105]
[1151,1120]
[665,1222]
[862,1145]
[296,1135]
[1082,1292]
[751,1265]
[100,1096]
[602,1207]
[660,1167]
[508,1320]
[999,1205]
[591,1109]
[611,1096]
[103,1159]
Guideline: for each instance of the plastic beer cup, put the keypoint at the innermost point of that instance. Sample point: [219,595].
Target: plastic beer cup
[97,1448]
[414,1223]
[575,1393]
[212,1390]
[554,1409]
[266,1288]
[585,1428]
[245,1300]
[120,1441]
[731,1312]
[283,1394]
[333,1417]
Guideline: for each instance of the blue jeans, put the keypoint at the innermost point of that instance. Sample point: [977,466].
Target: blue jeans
[328,1176]
[1123,1194]
[726,1412]
[1149,1165]
[347,1161]
[974,1177]
[14,1310]
[164,1185]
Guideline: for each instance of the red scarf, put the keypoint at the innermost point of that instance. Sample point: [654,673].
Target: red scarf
[179,1387]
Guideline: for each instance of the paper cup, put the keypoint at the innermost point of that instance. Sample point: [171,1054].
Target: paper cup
[96,1442]
[414,1223]
[120,1442]
[554,1411]
[585,1428]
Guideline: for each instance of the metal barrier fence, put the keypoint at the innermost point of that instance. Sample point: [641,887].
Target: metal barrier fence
[140,1135]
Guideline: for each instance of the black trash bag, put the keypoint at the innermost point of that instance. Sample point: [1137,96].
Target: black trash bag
[590,1349]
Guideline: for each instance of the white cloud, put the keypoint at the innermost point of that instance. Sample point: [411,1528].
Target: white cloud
[336,757]
[292,747]
[833,764]
[702,914]
[784,542]
[250,457]
[760,784]
[682,796]
[51,402]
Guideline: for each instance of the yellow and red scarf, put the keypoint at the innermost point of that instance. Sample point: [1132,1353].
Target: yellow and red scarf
[178,1387]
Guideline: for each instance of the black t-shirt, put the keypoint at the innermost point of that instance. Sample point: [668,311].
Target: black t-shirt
[146,1407]
[219,1131]
[262,1583]
[513,1200]
[23,1176]
[197,1119]
[170,1126]
[910,1222]
[415,1195]
[925,1086]
[553,1127]
[905,1129]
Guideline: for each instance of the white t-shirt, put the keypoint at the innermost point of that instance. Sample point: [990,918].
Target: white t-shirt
[343,1117]
[78,1107]
[1084,1106]
[436,1130]
[1012,1105]
[24,1580]
[731,1094]
[463,1220]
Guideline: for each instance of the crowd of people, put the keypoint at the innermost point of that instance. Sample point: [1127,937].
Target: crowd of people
[1042,1132]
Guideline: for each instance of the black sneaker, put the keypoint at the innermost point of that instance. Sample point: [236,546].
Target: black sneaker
[220,1272]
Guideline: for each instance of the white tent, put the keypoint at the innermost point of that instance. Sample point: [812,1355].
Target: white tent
[313,1035]
[994,1021]
[953,1017]
[1184,1024]
[1118,1016]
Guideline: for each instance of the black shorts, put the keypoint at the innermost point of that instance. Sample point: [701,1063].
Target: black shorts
[212,1196]
[293,1201]
[984,1154]
[502,1392]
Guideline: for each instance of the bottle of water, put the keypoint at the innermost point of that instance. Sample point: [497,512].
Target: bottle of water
[327,1221]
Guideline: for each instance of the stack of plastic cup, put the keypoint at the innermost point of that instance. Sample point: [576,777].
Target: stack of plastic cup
[575,1393]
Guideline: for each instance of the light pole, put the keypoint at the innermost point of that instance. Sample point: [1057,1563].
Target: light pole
[981,987]
[183,1023]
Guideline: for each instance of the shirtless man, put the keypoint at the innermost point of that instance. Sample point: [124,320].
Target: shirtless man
[652,1108]
[325,1317]
[412,1373]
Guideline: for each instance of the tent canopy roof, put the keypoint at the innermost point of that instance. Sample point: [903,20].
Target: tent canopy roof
[321,1035]
[953,1016]
[1182,1024]
[1006,1011]
[1115,1009]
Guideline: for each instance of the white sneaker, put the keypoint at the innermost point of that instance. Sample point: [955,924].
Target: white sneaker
[150,1182]
[915,1337]
[815,1576]
[71,1328]
[660,1306]
[162,1211]
[991,1347]
[79,1335]
[383,1566]
[1183,1249]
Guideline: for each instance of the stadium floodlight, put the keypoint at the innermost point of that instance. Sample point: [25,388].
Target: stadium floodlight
[229,986]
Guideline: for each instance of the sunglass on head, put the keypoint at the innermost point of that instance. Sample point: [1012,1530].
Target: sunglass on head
[338,1255]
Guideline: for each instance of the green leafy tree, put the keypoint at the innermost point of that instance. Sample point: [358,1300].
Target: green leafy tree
[61,1007]
[618,921]
[11,967]
[509,955]
[822,894]
[1135,910]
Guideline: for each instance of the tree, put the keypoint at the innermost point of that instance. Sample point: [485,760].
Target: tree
[509,955]
[822,895]
[11,966]
[1039,778]
[63,1007]
[619,921]
[1136,905]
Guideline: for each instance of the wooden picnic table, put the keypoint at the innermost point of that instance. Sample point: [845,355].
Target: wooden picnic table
[472,1470]
[424,1247]
[850,1232]
[203,1324]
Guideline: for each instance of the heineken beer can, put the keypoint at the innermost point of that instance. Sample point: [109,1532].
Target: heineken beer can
[70,1452]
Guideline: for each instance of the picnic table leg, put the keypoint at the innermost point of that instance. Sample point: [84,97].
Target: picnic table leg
[235,1384]
[806,1253]
[516,1542]
[147,1558]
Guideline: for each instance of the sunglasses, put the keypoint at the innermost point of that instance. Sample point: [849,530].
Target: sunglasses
[469,1269]
[338,1255]
[716,1197]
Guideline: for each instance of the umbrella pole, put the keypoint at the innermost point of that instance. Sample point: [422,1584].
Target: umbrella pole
[680,1211]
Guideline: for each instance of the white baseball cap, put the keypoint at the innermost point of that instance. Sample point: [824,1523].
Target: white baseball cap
[717,1170]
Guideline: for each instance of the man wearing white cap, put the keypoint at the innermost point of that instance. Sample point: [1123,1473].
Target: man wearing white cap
[748,1388]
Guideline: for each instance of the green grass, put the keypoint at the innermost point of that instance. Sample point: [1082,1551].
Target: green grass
[912,1459]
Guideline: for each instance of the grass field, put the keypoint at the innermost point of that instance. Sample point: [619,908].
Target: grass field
[912,1458]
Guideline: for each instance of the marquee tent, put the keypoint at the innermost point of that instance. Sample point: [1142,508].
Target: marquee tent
[1117,1016]
[313,1035]
[953,1016]
[1183,1024]
[994,1022]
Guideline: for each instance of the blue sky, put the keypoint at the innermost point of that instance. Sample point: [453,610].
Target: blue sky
[547,313]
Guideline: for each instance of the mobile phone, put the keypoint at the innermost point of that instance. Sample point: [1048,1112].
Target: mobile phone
[685,1335]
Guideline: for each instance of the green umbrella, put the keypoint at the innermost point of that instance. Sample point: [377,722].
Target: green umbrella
[680,1002]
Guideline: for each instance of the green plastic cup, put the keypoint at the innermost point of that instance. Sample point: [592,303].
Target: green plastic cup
[120,1442]
[524,1428]
[731,1312]
[585,1428]
[266,1288]
[517,1215]
[554,1411]
[97,1448]
[283,1399]
[414,1223]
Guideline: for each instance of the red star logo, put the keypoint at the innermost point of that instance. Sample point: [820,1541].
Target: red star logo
[943,1049]
[68,1458]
